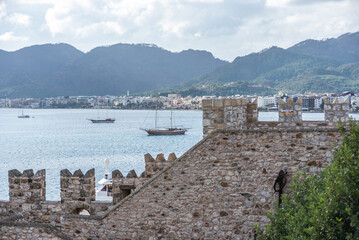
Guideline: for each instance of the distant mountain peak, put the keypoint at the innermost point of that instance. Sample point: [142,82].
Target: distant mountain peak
[271,49]
[343,49]
[151,45]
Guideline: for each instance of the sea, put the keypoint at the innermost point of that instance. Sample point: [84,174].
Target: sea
[56,139]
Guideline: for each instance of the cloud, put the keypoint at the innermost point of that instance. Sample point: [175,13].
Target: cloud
[9,36]
[227,28]
[58,18]
[19,19]
[283,3]
[37,2]
[2,10]
[104,27]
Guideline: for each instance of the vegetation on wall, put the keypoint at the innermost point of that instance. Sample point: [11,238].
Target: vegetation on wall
[323,206]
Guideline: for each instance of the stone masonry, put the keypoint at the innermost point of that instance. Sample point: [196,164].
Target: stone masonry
[336,111]
[124,186]
[77,187]
[27,187]
[290,111]
[234,114]
[218,189]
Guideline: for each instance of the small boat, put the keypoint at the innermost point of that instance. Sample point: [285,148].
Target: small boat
[104,189]
[165,131]
[102,120]
[23,116]
[107,120]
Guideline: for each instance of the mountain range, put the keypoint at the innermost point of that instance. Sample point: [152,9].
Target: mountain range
[60,69]
[330,65]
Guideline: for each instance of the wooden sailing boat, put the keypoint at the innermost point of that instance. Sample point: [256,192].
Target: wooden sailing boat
[172,130]
[105,120]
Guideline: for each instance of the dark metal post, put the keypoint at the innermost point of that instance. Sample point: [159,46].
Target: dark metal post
[280,183]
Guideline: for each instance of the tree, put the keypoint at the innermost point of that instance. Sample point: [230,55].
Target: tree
[322,206]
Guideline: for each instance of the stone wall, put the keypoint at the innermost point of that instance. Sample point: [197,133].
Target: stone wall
[27,187]
[15,233]
[239,113]
[290,111]
[124,186]
[222,187]
[234,114]
[336,111]
[28,215]
[77,186]
[218,189]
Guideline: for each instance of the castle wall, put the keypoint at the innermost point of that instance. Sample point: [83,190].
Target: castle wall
[233,114]
[27,187]
[77,187]
[218,189]
[336,111]
[14,233]
[223,187]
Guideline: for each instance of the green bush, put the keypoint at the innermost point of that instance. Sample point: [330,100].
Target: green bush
[322,206]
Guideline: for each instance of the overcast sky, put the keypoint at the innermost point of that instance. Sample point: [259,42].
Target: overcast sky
[227,28]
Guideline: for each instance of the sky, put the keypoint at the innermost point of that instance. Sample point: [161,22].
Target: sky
[227,28]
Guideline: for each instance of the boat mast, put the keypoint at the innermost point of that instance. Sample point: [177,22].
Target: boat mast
[156,118]
[156,114]
[171,118]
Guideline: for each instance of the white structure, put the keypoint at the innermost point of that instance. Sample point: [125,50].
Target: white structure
[269,101]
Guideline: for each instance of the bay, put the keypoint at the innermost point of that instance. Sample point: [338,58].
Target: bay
[56,139]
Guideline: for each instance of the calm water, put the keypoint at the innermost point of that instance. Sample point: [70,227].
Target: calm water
[56,139]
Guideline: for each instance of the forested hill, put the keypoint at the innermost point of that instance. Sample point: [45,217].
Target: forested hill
[344,49]
[330,65]
[60,69]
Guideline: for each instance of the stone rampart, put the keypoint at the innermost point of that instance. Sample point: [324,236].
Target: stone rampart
[77,186]
[239,113]
[27,187]
[29,215]
[336,111]
[218,189]
[124,186]
[290,111]
[231,114]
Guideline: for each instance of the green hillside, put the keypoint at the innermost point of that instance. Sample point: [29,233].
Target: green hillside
[311,66]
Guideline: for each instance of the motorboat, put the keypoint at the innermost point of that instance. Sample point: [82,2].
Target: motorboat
[104,189]
[107,120]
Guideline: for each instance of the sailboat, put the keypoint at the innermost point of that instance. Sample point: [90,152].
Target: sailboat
[22,115]
[172,130]
[105,120]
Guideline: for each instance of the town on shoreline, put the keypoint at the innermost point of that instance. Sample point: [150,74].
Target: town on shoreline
[310,102]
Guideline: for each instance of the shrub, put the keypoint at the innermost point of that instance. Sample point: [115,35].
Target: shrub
[322,206]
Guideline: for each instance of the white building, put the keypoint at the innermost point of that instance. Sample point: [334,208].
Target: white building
[269,101]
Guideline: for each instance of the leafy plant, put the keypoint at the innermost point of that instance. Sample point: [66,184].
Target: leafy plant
[323,206]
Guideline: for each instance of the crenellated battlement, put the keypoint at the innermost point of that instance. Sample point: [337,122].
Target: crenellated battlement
[336,111]
[77,186]
[124,186]
[241,114]
[27,187]
[290,111]
[228,113]
[218,189]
